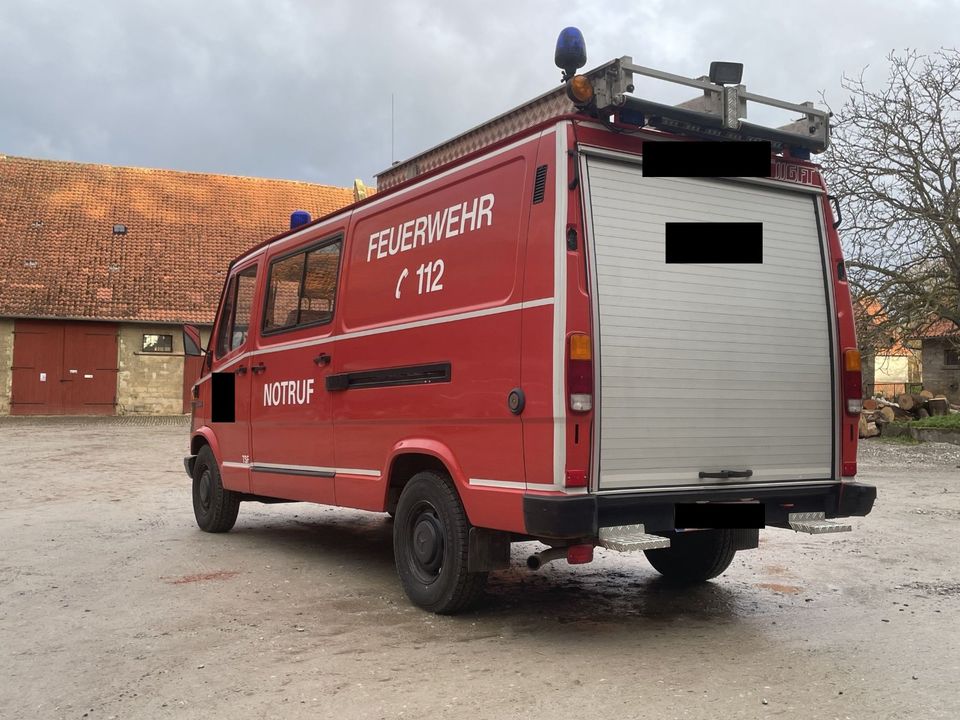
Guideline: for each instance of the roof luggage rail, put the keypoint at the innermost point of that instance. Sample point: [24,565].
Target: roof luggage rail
[718,114]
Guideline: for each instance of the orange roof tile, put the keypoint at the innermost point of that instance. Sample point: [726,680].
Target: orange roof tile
[59,256]
[941,328]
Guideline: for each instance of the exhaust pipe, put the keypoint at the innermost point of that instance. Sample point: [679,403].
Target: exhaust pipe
[537,561]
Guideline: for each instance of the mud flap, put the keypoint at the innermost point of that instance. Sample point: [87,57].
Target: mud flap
[487,550]
[746,538]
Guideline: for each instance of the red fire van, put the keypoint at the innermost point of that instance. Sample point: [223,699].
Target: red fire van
[578,323]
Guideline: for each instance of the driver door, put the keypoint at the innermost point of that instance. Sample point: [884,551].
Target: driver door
[230,391]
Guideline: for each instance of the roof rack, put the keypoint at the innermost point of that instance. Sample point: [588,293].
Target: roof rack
[718,115]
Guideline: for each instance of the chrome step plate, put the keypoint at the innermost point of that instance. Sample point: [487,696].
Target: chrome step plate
[629,538]
[815,523]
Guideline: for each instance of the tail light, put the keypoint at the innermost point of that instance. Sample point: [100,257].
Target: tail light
[852,383]
[580,373]
[579,554]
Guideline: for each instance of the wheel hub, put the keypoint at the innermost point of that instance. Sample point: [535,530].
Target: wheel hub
[427,543]
[205,485]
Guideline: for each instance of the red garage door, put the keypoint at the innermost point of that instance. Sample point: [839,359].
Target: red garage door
[64,368]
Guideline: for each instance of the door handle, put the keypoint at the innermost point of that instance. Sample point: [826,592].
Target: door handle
[727,474]
[242,370]
[258,368]
[322,359]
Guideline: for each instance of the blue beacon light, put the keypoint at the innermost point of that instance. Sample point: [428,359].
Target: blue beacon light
[571,53]
[298,218]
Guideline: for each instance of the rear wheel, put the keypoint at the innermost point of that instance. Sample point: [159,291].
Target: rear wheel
[214,506]
[430,542]
[694,557]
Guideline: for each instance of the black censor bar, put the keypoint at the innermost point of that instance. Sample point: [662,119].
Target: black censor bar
[712,242]
[719,515]
[709,158]
[223,397]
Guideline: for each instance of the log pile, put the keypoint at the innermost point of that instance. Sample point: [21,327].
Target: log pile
[878,412]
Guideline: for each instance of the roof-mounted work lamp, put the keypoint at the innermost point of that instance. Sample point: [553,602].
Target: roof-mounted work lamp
[726,73]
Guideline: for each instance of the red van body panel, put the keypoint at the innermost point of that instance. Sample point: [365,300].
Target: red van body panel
[456,294]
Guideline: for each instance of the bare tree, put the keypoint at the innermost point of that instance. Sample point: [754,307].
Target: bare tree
[893,164]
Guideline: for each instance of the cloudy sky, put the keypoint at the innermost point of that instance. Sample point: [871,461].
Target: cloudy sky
[301,89]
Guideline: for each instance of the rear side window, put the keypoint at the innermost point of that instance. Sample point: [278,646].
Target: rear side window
[301,288]
[237,309]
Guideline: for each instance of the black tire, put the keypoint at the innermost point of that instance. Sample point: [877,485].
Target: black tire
[430,542]
[694,557]
[214,506]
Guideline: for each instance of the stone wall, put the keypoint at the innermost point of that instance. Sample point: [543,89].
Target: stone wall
[6,362]
[937,377]
[150,383]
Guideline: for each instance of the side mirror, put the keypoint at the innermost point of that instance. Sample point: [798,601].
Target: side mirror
[191,341]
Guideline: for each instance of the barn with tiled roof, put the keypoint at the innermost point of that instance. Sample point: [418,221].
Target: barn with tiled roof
[101,262]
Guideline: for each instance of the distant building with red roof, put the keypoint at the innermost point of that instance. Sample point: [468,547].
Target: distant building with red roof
[100,266]
[891,366]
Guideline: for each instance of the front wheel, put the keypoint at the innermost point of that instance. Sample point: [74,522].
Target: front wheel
[430,542]
[214,506]
[694,557]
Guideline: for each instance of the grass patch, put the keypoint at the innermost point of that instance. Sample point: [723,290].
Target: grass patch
[947,422]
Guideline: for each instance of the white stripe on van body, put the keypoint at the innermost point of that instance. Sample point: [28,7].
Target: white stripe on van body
[505,484]
[560,310]
[514,485]
[399,327]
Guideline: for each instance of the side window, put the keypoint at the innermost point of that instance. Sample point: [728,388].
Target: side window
[237,308]
[319,284]
[284,292]
[302,288]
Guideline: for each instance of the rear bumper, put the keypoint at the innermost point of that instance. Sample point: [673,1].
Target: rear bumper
[581,516]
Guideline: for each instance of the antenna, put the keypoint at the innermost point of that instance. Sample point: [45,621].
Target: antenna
[391,130]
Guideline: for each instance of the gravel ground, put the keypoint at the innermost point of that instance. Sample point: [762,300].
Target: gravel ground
[113,605]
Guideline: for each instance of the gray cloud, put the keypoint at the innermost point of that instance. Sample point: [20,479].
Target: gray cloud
[301,90]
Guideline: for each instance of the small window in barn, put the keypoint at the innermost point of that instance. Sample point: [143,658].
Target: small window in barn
[157,343]
[302,288]
[951,356]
